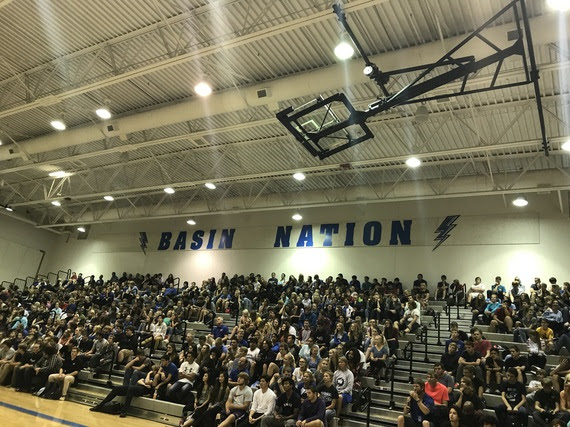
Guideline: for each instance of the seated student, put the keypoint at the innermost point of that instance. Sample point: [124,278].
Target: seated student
[517,361]
[442,289]
[71,366]
[263,403]
[312,411]
[286,408]
[490,309]
[343,379]
[469,402]
[493,370]
[411,320]
[564,413]
[546,405]
[514,400]
[179,391]
[470,357]
[143,387]
[502,318]
[418,407]
[167,375]
[440,395]
[450,360]
[329,393]
[454,337]
[204,394]
[238,402]
[137,368]
[497,288]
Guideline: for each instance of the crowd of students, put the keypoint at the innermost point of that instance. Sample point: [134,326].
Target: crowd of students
[303,344]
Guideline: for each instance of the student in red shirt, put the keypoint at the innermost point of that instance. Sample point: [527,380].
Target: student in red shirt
[440,395]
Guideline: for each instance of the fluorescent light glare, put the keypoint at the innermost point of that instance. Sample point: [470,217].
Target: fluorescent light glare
[58,174]
[413,162]
[559,5]
[109,198]
[520,202]
[343,50]
[56,203]
[203,89]
[81,229]
[0,142]
[169,190]
[58,124]
[191,222]
[299,176]
[297,216]
[103,113]
[566,146]
[210,185]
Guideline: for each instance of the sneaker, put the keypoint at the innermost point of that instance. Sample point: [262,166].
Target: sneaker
[122,415]
[62,398]
[95,408]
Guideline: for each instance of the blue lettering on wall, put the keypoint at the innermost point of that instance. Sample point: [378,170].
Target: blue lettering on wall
[164,241]
[306,236]
[401,232]
[227,238]
[197,240]
[349,239]
[372,233]
[180,242]
[328,230]
[211,239]
[283,236]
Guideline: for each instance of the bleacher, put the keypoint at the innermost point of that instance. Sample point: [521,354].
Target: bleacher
[91,391]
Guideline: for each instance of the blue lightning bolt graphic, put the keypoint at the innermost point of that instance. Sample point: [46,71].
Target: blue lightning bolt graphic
[444,229]
[144,240]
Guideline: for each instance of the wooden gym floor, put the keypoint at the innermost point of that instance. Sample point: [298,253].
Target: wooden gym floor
[24,409]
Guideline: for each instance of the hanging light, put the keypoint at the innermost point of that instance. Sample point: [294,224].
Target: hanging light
[203,89]
[56,203]
[81,229]
[344,48]
[422,114]
[299,176]
[559,5]
[191,222]
[297,216]
[103,113]
[9,209]
[566,146]
[520,202]
[58,174]
[109,198]
[58,124]
[169,190]
[210,185]
[413,162]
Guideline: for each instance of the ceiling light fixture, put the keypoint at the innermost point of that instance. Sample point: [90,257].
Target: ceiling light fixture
[203,89]
[210,185]
[56,203]
[0,142]
[299,176]
[422,114]
[81,229]
[8,208]
[109,198]
[344,49]
[413,162]
[58,174]
[297,216]
[520,202]
[58,124]
[191,222]
[169,190]
[104,113]
[566,146]
[559,5]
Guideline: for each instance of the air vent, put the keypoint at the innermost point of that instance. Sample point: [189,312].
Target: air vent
[263,93]
[512,35]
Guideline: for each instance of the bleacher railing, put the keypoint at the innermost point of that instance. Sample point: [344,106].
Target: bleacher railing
[391,368]
[177,284]
[408,355]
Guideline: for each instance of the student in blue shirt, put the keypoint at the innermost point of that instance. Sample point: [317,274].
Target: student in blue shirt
[418,407]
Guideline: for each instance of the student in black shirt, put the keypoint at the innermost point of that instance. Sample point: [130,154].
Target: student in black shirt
[329,393]
[514,400]
[546,404]
[286,408]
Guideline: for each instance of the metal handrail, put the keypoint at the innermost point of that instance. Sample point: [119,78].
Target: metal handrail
[67,274]
[51,273]
[437,319]
[392,404]
[6,282]
[424,339]
[19,280]
[109,351]
[367,404]
[32,281]
[408,356]
[177,284]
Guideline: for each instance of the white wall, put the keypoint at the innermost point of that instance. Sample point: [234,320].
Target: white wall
[20,248]
[490,239]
